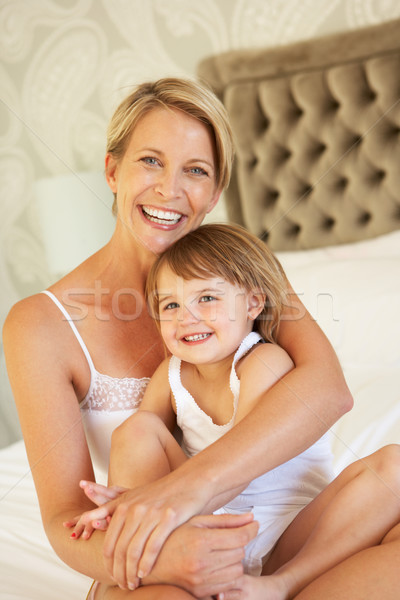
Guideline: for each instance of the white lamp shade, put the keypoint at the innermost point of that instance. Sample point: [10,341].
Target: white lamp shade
[75,217]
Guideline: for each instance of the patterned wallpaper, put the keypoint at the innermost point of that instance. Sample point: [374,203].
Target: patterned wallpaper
[64,65]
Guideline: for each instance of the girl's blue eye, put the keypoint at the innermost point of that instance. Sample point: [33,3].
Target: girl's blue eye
[171,305]
[207,298]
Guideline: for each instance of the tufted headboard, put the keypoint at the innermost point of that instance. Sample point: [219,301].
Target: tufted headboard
[317,132]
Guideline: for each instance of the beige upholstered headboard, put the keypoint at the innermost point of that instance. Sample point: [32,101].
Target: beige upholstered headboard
[317,128]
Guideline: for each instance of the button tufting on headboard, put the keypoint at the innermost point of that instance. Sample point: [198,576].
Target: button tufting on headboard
[317,131]
[365,218]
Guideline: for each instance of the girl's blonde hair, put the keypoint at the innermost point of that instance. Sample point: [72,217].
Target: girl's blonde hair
[234,254]
[192,98]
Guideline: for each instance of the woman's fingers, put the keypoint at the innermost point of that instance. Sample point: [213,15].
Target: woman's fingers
[224,521]
[120,532]
[204,555]
[134,533]
[155,542]
[138,530]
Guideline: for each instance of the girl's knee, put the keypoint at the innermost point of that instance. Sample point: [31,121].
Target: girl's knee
[140,424]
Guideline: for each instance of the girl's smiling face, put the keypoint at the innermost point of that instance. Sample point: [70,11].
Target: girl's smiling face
[165,183]
[203,321]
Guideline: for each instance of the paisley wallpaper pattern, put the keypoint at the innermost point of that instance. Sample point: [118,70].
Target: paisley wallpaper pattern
[64,65]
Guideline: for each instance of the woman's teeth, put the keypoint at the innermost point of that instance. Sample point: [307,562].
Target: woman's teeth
[196,337]
[161,217]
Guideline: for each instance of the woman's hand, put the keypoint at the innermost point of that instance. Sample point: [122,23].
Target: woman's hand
[142,520]
[204,555]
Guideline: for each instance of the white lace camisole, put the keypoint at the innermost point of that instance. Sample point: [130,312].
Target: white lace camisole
[108,402]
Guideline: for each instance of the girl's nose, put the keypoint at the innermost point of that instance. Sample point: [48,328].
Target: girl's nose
[188,315]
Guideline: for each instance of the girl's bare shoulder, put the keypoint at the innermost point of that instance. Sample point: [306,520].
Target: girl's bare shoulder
[265,357]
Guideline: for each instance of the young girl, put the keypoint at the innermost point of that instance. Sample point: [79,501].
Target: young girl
[218,294]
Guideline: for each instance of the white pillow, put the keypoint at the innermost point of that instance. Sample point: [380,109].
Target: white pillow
[353,291]
[383,246]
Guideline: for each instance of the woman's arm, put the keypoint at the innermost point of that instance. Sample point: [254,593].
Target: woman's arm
[40,364]
[289,418]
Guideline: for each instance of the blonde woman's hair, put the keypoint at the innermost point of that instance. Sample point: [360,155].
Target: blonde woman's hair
[192,98]
[234,254]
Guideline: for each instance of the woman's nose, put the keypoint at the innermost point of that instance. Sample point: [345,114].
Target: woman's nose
[168,185]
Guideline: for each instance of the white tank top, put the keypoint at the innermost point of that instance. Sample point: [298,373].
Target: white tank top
[198,428]
[108,402]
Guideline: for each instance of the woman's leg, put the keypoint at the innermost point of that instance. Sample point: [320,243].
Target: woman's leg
[142,450]
[372,574]
[352,523]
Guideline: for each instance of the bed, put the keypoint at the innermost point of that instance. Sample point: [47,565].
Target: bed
[317,128]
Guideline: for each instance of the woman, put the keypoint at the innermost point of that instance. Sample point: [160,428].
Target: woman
[168,158]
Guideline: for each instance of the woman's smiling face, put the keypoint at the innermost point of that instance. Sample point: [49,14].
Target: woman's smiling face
[165,183]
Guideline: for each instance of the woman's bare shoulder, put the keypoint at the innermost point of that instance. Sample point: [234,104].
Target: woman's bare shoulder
[30,309]
[38,310]
[30,321]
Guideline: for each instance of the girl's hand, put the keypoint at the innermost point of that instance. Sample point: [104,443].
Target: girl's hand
[87,522]
[100,494]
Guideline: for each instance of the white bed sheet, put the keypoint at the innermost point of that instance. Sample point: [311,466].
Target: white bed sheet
[354,293]
[29,568]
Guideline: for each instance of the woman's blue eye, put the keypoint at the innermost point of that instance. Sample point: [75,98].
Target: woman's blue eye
[149,160]
[198,171]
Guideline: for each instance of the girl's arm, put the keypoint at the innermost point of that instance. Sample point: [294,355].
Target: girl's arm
[258,371]
[157,397]
[289,418]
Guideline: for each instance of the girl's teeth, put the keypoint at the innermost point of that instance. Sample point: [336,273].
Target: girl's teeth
[197,337]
